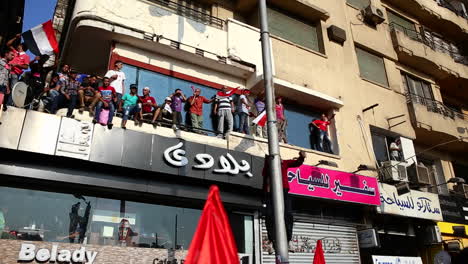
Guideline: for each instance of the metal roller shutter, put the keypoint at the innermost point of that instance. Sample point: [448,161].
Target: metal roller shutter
[340,244]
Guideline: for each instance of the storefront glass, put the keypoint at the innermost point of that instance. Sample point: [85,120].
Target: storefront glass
[70,218]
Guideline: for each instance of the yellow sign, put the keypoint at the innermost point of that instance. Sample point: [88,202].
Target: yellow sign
[447,228]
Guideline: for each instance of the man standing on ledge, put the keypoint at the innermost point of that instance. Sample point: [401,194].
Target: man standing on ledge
[288,217]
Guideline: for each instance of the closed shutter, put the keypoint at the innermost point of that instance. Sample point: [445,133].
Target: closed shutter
[340,244]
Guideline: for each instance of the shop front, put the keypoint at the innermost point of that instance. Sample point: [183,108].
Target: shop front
[118,196]
[454,228]
[405,227]
[328,205]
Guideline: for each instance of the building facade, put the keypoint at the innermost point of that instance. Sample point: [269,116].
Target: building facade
[393,74]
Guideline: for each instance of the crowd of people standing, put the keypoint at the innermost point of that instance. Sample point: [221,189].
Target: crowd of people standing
[105,97]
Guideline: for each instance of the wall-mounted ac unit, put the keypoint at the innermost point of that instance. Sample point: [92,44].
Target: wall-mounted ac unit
[373,15]
[432,235]
[394,171]
[461,189]
[419,174]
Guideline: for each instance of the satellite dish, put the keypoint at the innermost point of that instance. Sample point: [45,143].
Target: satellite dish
[19,93]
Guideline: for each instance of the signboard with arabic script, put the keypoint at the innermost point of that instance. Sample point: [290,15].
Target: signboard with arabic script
[330,184]
[413,204]
[396,260]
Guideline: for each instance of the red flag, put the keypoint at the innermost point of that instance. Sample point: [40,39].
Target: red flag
[228,93]
[213,242]
[319,257]
[261,119]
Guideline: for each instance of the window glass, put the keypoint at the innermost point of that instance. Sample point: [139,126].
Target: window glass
[372,67]
[361,4]
[162,86]
[58,217]
[294,30]
[402,24]
[379,144]
[420,90]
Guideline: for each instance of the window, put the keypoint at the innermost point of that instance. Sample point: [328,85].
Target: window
[162,86]
[298,32]
[361,4]
[402,24]
[73,218]
[419,90]
[436,175]
[298,128]
[371,67]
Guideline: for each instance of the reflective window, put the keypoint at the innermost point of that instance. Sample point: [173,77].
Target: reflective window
[296,31]
[371,67]
[361,4]
[162,86]
[58,217]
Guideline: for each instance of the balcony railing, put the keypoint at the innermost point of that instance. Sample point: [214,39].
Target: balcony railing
[185,11]
[435,106]
[449,6]
[435,43]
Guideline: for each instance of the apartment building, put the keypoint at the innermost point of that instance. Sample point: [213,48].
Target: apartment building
[392,72]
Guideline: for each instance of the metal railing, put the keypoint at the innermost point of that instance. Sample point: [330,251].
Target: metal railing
[191,13]
[449,6]
[435,43]
[435,106]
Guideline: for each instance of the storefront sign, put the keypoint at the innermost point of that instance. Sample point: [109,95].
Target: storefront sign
[227,163]
[368,238]
[454,209]
[28,253]
[330,184]
[396,260]
[413,204]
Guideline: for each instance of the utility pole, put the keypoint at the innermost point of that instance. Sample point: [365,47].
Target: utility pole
[273,141]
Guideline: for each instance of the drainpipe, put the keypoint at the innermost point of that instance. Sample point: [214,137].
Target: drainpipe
[273,141]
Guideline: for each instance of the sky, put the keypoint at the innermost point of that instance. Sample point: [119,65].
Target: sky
[37,12]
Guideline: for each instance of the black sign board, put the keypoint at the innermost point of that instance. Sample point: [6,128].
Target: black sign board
[176,156]
[453,209]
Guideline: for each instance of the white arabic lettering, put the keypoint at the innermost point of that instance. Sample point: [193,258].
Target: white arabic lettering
[178,158]
[228,163]
[206,161]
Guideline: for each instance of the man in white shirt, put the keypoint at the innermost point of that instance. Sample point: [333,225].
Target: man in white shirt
[117,77]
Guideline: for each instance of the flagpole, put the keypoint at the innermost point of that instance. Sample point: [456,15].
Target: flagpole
[273,141]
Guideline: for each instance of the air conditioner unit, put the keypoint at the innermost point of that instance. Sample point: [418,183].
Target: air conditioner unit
[419,174]
[432,235]
[394,171]
[374,15]
[461,189]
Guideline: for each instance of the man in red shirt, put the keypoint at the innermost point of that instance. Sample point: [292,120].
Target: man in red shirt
[288,217]
[321,133]
[148,103]
[106,100]
[19,63]
[196,102]
[281,120]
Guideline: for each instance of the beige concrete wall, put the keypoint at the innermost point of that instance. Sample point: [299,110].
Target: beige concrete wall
[166,62]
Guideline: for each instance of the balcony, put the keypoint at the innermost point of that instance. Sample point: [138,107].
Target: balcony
[429,12]
[432,56]
[162,27]
[437,123]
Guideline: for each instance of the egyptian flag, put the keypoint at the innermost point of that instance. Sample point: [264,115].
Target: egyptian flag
[228,93]
[213,241]
[41,39]
[261,119]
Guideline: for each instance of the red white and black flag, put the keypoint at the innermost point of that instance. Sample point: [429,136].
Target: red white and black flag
[41,39]
[261,119]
